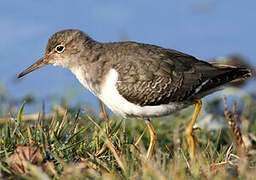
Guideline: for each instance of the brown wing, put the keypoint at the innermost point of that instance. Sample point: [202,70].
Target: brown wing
[153,75]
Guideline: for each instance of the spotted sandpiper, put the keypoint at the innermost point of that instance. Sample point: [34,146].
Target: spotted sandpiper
[138,80]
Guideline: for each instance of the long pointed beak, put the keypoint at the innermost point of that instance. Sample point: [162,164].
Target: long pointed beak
[40,63]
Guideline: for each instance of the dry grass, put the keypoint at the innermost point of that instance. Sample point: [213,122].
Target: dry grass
[68,144]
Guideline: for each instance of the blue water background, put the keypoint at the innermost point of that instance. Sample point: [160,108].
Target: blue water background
[204,28]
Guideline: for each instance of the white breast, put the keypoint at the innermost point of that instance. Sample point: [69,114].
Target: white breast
[118,104]
[81,76]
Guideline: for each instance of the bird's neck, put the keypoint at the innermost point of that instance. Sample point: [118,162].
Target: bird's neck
[84,78]
[89,43]
[91,66]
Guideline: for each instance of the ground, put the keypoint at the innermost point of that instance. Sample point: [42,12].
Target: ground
[69,143]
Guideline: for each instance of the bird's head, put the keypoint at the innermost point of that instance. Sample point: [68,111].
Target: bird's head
[63,49]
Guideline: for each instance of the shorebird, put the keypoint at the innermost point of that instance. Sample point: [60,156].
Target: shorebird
[138,80]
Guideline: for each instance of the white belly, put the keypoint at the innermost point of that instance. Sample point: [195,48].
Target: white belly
[118,104]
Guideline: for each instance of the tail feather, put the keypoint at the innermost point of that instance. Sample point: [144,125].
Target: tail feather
[227,76]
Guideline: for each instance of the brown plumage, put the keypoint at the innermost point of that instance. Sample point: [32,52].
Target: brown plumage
[136,79]
[152,75]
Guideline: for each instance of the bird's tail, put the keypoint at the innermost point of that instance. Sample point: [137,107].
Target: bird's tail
[232,73]
[227,75]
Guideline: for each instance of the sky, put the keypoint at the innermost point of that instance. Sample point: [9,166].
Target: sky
[203,28]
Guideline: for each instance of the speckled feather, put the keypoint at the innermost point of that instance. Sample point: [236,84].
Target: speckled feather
[152,75]
[147,74]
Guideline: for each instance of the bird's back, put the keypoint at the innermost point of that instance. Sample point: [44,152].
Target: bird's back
[152,75]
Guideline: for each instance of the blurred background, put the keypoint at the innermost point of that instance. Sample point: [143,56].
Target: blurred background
[207,29]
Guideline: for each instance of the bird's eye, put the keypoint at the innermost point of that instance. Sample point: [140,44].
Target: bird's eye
[60,48]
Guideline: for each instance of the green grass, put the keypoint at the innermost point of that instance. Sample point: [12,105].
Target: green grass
[70,144]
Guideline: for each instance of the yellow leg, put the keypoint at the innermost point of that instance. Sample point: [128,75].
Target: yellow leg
[152,138]
[189,130]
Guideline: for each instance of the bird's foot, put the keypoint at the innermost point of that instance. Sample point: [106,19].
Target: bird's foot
[152,138]
[193,143]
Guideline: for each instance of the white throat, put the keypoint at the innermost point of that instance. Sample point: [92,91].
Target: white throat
[81,75]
